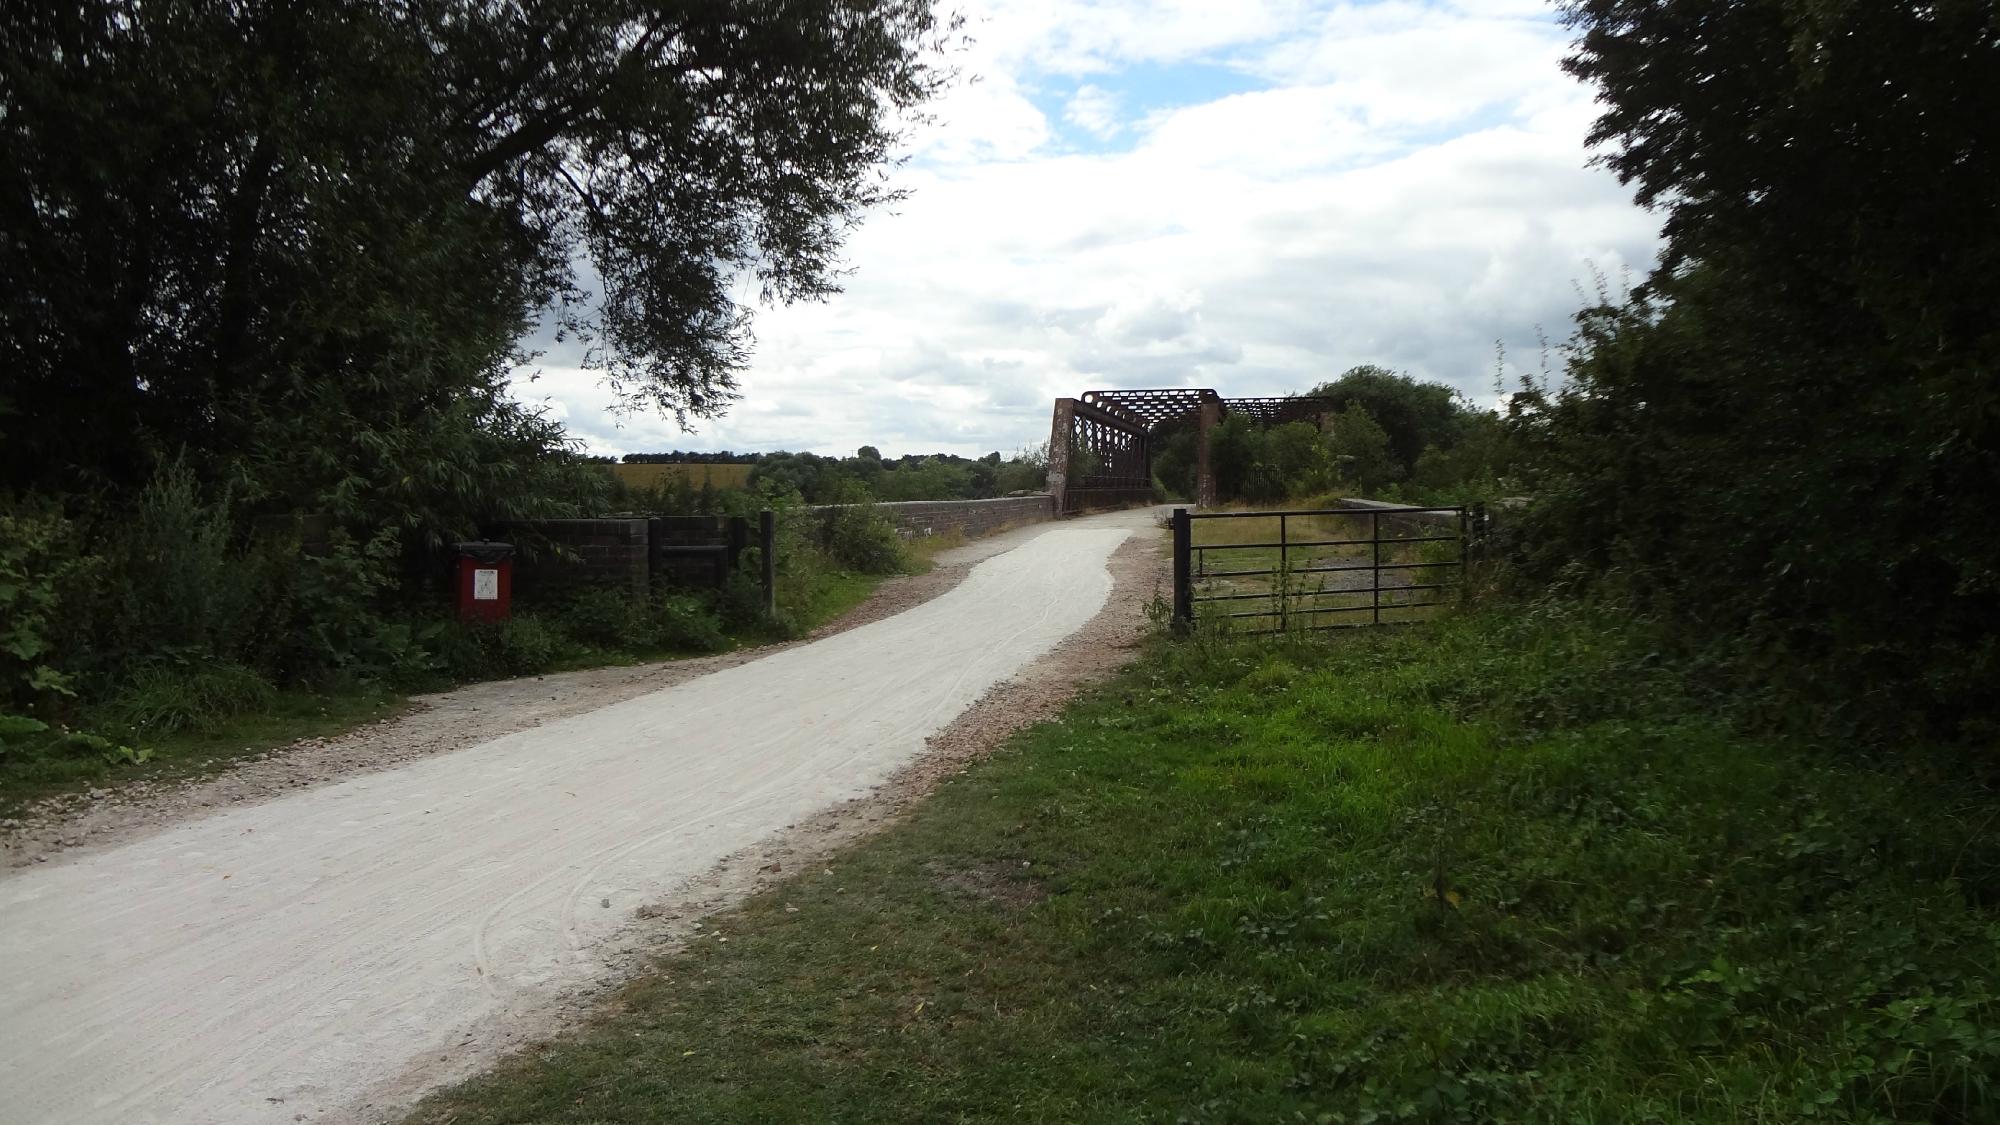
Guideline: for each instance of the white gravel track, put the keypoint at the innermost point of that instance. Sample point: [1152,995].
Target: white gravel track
[272,963]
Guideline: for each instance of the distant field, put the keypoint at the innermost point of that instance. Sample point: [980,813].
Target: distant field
[696,475]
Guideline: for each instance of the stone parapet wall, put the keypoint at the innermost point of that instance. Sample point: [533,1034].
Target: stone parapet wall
[1405,524]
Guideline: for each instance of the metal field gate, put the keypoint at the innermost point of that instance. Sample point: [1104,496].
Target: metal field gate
[1328,568]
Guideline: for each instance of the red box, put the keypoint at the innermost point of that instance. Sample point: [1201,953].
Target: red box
[483,580]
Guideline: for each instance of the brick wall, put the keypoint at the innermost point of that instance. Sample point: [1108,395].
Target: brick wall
[601,552]
[918,519]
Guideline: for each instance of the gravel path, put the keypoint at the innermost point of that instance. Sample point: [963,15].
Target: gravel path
[438,724]
[350,943]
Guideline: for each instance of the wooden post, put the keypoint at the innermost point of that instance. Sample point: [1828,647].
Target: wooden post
[767,550]
[1183,585]
[1061,432]
[739,539]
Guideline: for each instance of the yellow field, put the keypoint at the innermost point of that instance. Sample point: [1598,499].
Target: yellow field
[653,476]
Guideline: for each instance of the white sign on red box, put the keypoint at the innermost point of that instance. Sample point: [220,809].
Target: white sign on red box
[485,585]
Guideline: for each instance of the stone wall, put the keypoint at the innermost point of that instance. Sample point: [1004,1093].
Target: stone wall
[919,519]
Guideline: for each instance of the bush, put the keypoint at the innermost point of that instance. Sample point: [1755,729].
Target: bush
[461,652]
[169,698]
[686,623]
[325,607]
[606,619]
[172,588]
[526,644]
[862,539]
[37,556]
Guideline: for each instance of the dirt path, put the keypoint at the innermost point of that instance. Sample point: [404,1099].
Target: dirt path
[358,940]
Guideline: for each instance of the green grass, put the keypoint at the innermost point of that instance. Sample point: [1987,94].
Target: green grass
[1488,868]
[838,592]
[285,718]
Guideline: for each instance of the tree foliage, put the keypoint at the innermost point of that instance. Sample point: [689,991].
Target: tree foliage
[915,476]
[1413,415]
[1362,449]
[230,222]
[1350,448]
[1785,437]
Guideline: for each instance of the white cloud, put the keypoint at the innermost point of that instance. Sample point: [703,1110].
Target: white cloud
[1072,38]
[1407,186]
[984,118]
[1095,110]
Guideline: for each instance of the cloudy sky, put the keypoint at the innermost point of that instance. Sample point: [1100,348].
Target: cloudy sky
[1250,195]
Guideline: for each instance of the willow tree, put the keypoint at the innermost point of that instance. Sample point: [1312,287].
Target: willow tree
[303,242]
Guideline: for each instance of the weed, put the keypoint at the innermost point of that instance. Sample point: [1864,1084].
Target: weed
[684,623]
[605,618]
[167,698]
[525,644]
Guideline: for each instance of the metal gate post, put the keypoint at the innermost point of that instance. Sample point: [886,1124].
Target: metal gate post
[1183,586]
[1375,535]
[1464,557]
[1284,572]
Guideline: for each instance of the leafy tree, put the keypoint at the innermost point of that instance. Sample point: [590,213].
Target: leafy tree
[250,229]
[1483,458]
[1414,415]
[1173,447]
[1361,449]
[1026,471]
[1784,438]
[1302,458]
[932,478]
[1235,455]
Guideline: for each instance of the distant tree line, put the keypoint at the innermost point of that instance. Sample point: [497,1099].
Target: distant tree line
[678,458]
[817,479]
[1381,434]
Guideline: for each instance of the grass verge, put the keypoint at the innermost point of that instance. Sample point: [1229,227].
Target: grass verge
[1489,868]
[287,717]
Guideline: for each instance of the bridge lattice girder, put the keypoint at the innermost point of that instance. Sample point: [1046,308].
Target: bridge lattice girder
[1155,408]
[1101,446]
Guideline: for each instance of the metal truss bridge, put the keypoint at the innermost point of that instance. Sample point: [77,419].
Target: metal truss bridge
[1101,444]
